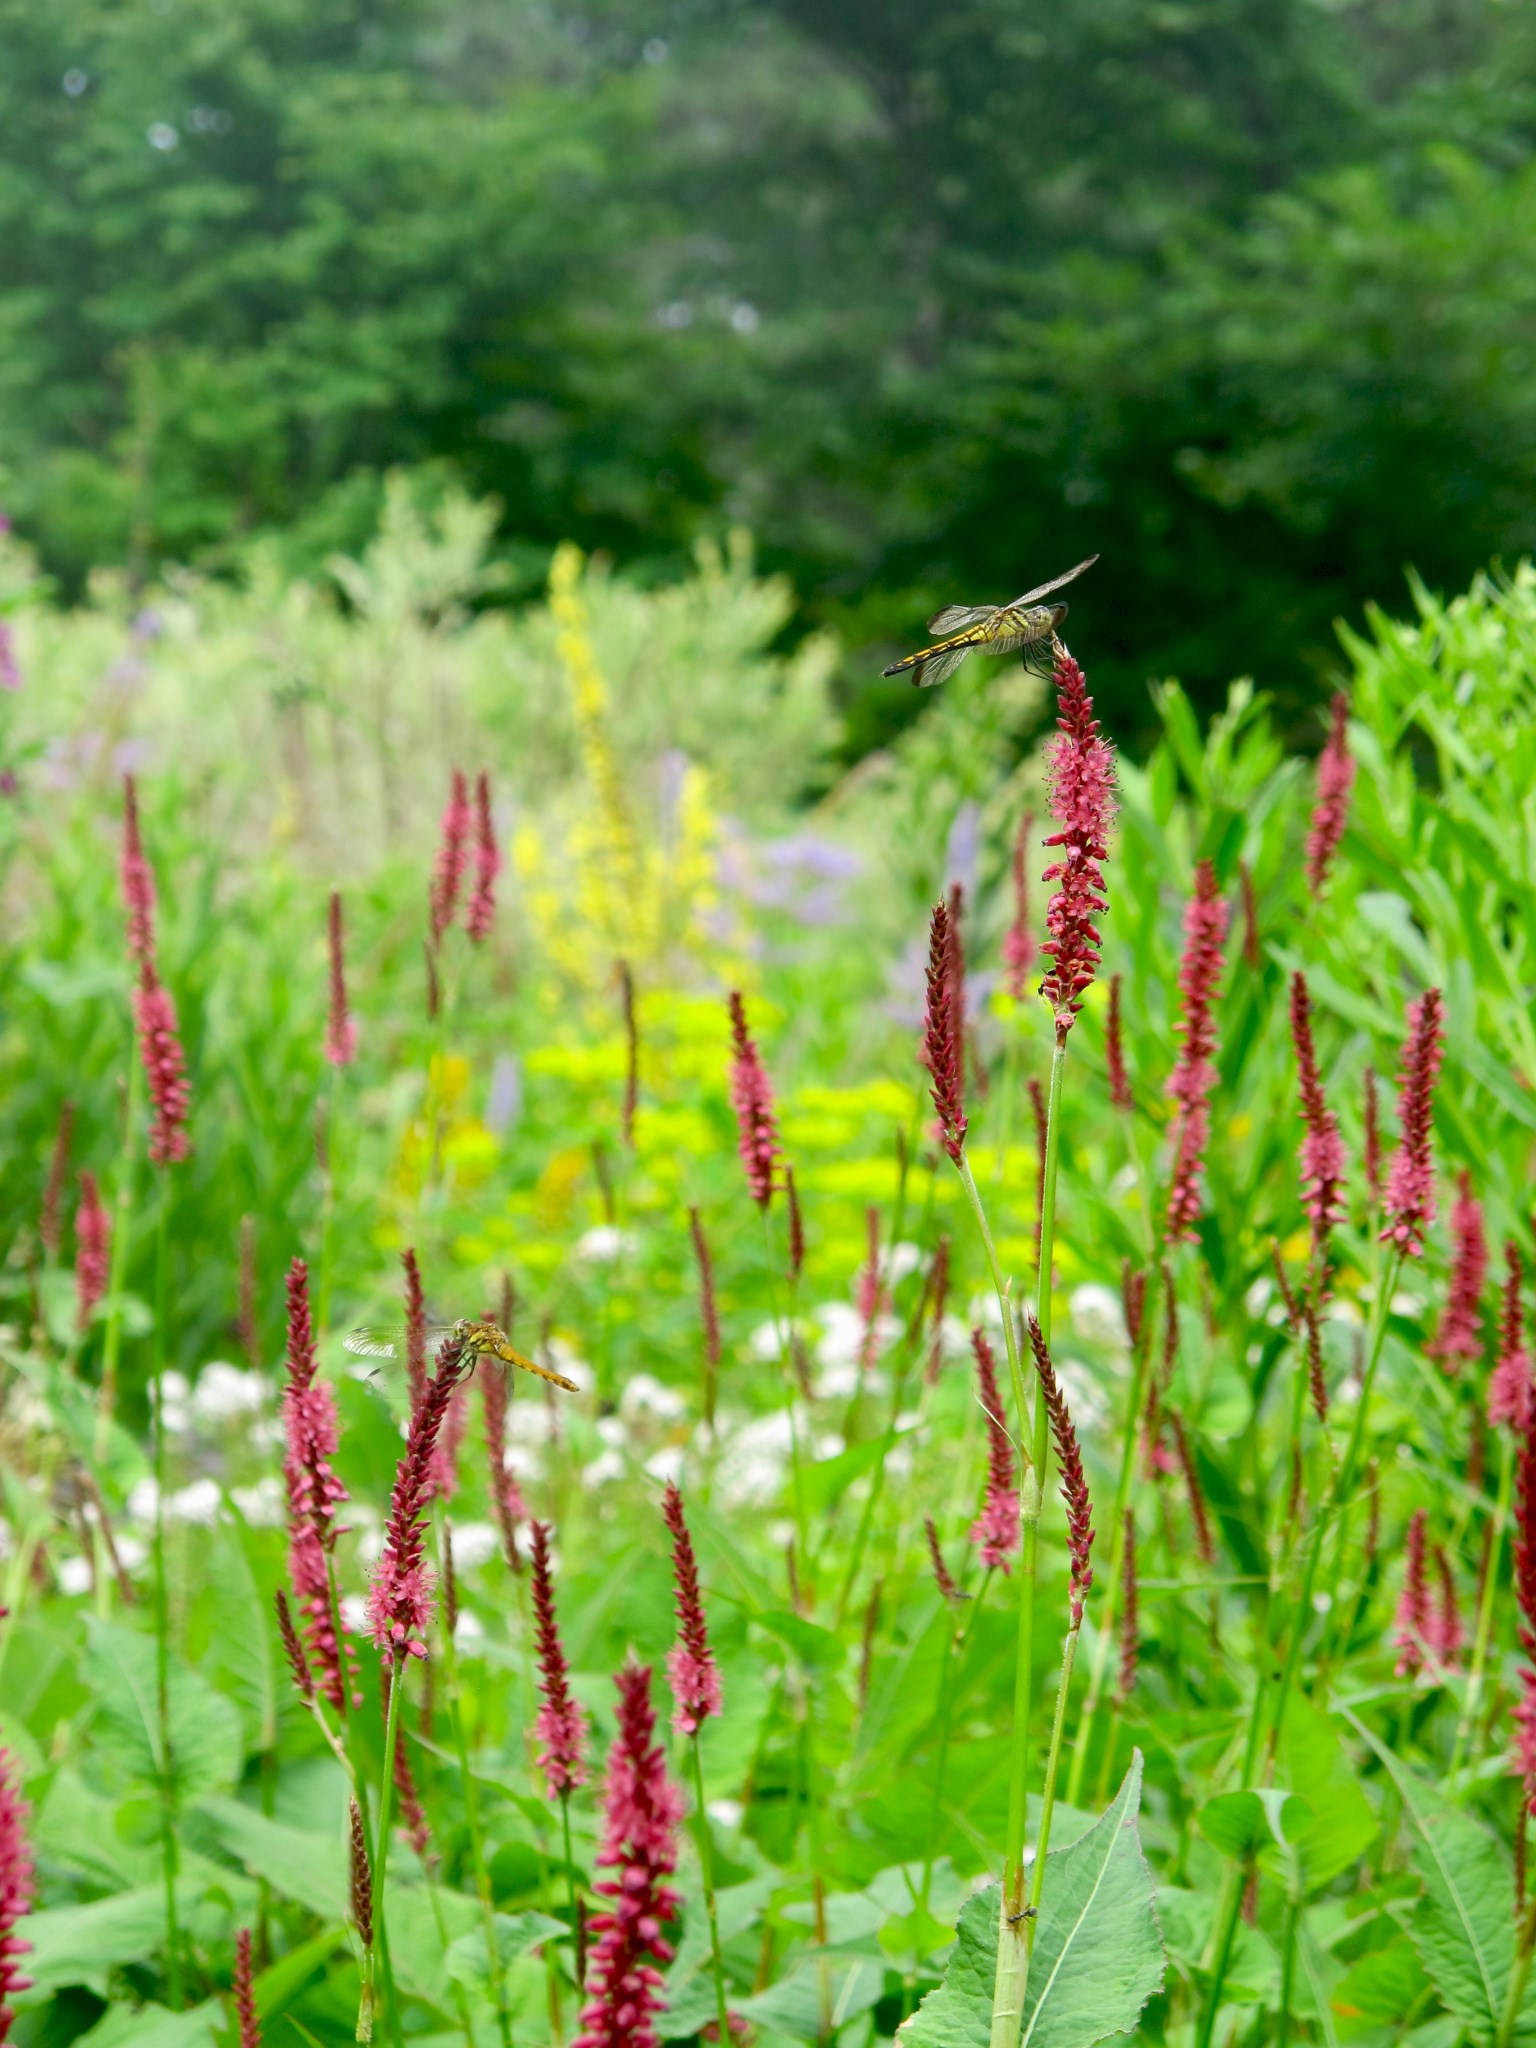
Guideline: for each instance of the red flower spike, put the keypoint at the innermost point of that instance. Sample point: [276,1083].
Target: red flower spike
[1317,1385]
[479,916]
[1253,950]
[415,1328]
[1019,947]
[1194,1074]
[641,1815]
[452,853]
[955,974]
[1460,1335]
[938,1295]
[1082,779]
[1205,1542]
[1130,1617]
[400,1597]
[1133,1299]
[17,1890]
[1410,1200]
[1074,1483]
[1446,1637]
[1525,1598]
[561,1726]
[93,1244]
[314,1493]
[691,1668]
[943,1577]
[1413,1624]
[941,1049]
[1323,1163]
[340,1030]
[1509,1387]
[796,1228]
[138,883]
[1114,1052]
[1335,780]
[164,1069]
[995,1533]
[53,1187]
[752,1099]
[1371,1142]
[245,1996]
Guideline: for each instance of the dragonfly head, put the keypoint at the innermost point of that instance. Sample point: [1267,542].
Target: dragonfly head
[1058,613]
[462,1330]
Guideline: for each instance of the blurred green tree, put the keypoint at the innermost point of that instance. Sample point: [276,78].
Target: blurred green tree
[1236,292]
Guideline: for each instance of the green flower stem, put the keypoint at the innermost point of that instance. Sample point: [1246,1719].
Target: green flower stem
[496,1976]
[162,1608]
[578,1936]
[787,1367]
[1048,1799]
[706,1868]
[381,1839]
[1105,1627]
[958,1637]
[122,1237]
[1236,1886]
[1484,1632]
[1519,1976]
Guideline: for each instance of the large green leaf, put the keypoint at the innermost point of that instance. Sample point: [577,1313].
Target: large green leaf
[1464,1924]
[79,1944]
[154,2026]
[203,1727]
[244,1648]
[1098,1954]
[310,1869]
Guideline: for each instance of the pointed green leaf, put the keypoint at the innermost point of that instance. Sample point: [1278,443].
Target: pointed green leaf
[516,1934]
[1098,1954]
[1242,1823]
[204,1728]
[310,1869]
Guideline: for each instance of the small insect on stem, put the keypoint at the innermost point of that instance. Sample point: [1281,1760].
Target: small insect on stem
[479,1339]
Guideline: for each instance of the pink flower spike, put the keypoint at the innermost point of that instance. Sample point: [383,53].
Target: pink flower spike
[1459,1335]
[996,1530]
[314,1494]
[941,1044]
[1509,1387]
[691,1668]
[340,1029]
[452,853]
[17,1890]
[138,882]
[165,1069]
[93,1240]
[943,1577]
[482,902]
[400,1597]
[1410,1200]
[1335,780]
[1082,777]
[1074,1481]
[1194,1074]
[1114,1052]
[1414,1624]
[561,1726]
[1446,1638]
[1019,945]
[641,1815]
[752,1099]
[1323,1163]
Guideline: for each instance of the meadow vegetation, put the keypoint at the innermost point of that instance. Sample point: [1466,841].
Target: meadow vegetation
[777,1626]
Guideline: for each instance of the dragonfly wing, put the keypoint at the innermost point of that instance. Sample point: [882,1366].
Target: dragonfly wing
[1045,589]
[376,1343]
[933,668]
[956,616]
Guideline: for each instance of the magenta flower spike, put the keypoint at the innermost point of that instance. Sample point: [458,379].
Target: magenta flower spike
[995,1533]
[1410,1197]
[93,1247]
[138,882]
[340,1029]
[1194,1074]
[561,1726]
[1074,1481]
[1509,1386]
[1323,1162]
[400,1597]
[1335,780]
[481,913]
[752,1099]
[941,1042]
[1413,1625]
[17,1889]
[314,1494]
[1459,1336]
[691,1668]
[1082,781]
[452,856]
[641,1815]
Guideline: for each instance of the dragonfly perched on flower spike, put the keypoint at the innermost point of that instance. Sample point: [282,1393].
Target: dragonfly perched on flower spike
[482,1340]
[1025,625]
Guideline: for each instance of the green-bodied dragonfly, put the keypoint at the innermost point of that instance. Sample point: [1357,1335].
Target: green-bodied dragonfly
[1025,625]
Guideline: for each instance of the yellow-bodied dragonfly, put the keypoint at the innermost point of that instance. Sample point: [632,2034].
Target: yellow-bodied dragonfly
[1026,624]
[484,1340]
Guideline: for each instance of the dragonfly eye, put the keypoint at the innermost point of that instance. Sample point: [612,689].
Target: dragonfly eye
[1058,613]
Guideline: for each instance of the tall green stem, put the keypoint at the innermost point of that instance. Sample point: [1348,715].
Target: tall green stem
[162,1609]
[706,1868]
[787,1368]
[1485,1608]
[381,1840]
[1048,1798]
[578,1939]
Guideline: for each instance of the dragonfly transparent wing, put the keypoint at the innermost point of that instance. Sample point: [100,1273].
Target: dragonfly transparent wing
[930,669]
[955,617]
[389,1340]
[1045,589]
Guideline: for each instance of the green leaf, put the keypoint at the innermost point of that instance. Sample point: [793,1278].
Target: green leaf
[1098,1954]
[1314,1765]
[308,1868]
[244,1639]
[827,1481]
[1464,1925]
[796,2005]
[516,1934]
[206,1745]
[1242,1823]
[818,1649]
[79,1944]
[154,2026]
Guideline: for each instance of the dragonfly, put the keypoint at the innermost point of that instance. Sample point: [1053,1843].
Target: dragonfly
[481,1340]
[1026,624]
